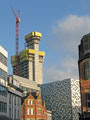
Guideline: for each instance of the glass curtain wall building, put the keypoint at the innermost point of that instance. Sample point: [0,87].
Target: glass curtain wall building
[84,73]
[3,84]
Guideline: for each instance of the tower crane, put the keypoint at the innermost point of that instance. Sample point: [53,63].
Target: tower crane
[17,37]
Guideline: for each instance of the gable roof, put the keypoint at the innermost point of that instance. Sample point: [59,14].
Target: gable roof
[34,94]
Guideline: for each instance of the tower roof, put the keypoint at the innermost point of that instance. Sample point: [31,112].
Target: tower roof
[33,34]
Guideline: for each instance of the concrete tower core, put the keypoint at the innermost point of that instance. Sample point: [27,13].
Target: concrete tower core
[31,59]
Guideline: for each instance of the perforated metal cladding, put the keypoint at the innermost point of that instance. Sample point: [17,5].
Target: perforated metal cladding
[63,99]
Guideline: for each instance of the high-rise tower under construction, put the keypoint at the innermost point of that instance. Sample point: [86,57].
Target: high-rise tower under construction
[30,64]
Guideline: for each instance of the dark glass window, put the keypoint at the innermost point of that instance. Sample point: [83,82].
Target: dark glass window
[3,59]
[3,91]
[88,104]
[86,44]
[18,113]
[10,112]
[87,69]
[88,96]
[15,114]
[85,39]
[15,100]
[3,107]
[28,90]
[18,100]
[9,98]
[3,74]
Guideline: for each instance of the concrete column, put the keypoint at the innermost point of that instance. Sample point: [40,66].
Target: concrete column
[30,70]
[35,69]
[40,72]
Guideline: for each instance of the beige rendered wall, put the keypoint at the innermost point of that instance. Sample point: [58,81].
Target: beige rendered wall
[35,67]
[40,72]
[30,70]
[3,82]
[3,51]
[36,64]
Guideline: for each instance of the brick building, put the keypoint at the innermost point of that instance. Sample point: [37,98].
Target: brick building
[33,108]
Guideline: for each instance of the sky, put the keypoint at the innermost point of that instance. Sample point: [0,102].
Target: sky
[62,24]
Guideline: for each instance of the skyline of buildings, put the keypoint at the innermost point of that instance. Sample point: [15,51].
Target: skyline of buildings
[62,98]
[20,86]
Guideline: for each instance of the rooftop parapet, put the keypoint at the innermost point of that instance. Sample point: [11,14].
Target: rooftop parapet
[33,34]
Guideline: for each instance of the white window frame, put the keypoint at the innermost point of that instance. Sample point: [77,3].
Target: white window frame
[32,111]
[28,111]
[30,102]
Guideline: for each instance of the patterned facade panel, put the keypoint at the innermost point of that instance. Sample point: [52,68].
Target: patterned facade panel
[75,96]
[58,99]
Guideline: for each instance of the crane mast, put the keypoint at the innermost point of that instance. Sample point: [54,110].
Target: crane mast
[17,37]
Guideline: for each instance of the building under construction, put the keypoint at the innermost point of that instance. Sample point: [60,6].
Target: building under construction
[84,74]
[30,60]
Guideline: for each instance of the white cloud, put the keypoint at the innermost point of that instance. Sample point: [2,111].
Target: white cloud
[69,32]
[66,37]
[65,69]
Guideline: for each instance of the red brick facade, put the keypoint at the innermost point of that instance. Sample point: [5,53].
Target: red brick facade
[33,108]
